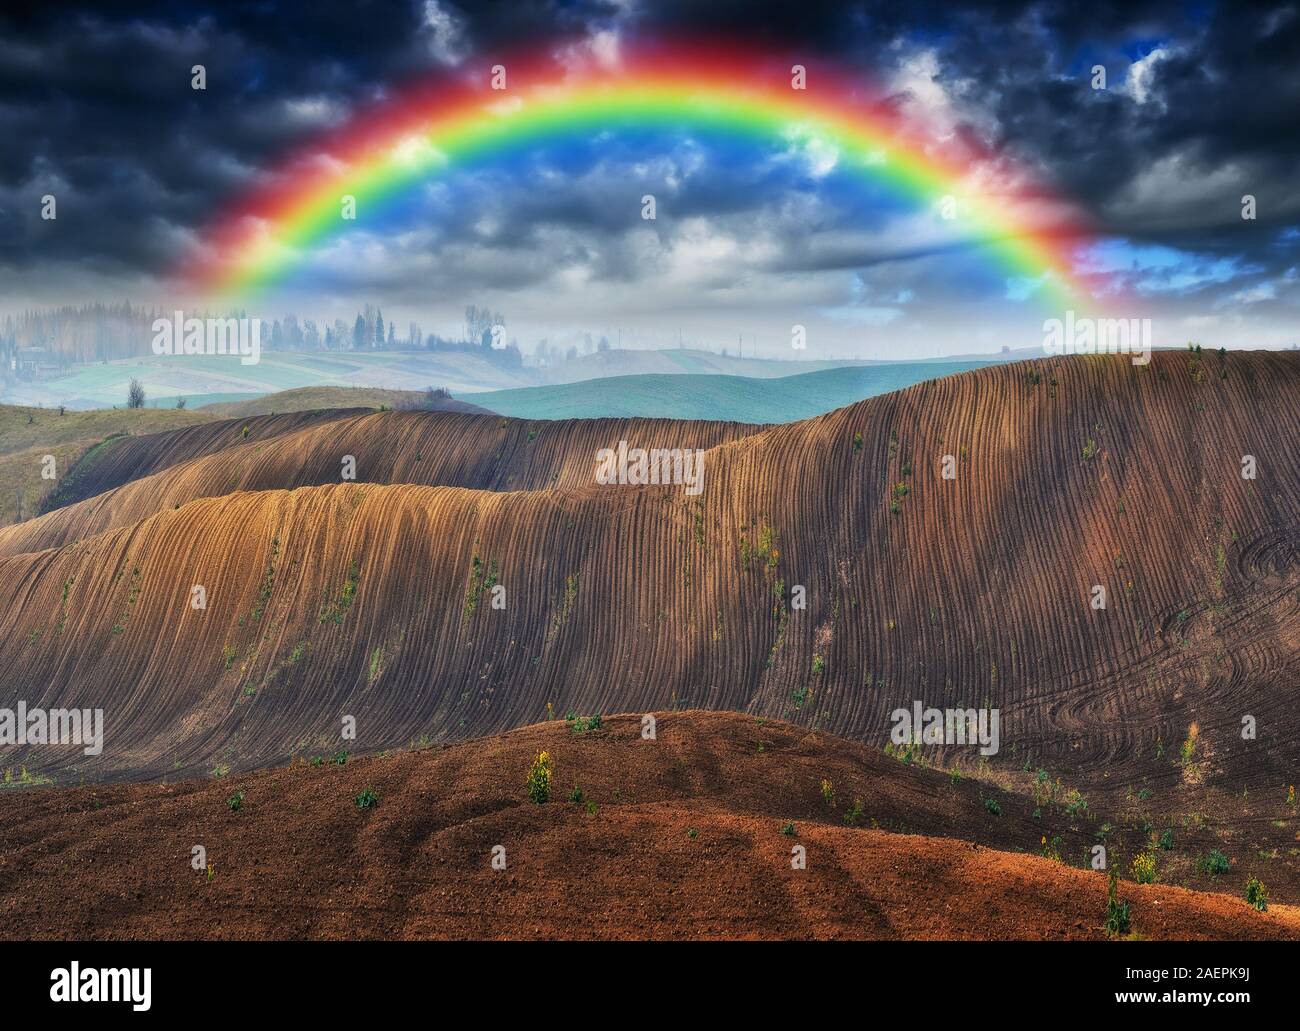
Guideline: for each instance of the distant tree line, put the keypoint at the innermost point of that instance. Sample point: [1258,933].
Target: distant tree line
[49,340]
[71,335]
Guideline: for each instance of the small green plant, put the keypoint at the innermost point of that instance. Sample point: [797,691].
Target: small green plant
[539,778]
[566,606]
[1117,911]
[334,611]
[1214,864]
[235,802]
[340,758]
[576,794]
[818,665]
[367,799]
[828,792]
[788,830]
[482,577]
[906,754]
[1075,803]
[1257,894]
[1090,450]
[692,833]
[25,778]
[853,815]
[582,724]
[857,442]
[991,804]
[1166,841]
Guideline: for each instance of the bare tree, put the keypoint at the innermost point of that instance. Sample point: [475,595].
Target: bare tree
[135,395]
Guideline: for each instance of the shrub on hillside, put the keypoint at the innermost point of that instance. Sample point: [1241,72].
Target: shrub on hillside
[539,778]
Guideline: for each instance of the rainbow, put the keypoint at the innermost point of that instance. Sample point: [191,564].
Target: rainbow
[432,127]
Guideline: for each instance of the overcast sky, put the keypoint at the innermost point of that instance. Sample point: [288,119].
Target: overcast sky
[1202,106]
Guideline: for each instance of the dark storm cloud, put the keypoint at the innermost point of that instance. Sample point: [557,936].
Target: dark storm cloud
[95,107]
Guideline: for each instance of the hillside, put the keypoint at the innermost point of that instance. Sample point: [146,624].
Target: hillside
[684,362]
[677,837]
[474,451]
[121,458]
[374,599]
[314,398]
[28,435]
[220,379]
[699,396]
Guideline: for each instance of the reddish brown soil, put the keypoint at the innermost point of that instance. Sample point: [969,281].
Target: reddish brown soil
[300,860]
[329,599]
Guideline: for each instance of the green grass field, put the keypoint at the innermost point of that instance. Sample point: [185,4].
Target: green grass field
[220,379]
[735,398]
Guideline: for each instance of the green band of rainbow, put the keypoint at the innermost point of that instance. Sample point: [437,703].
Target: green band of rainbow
[421,139]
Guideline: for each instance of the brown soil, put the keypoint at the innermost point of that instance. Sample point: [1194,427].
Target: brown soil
[685,841]
[372,599]
[122,459]
[482,452]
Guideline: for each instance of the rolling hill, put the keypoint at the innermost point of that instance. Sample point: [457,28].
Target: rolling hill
[710,396]
[626,598]
[315,398]
[217,380]
[677,837]
[462,450]
[29,436]
[220,379]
